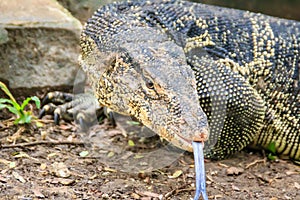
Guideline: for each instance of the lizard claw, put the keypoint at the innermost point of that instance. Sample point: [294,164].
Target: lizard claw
[83,108]
[49,108]
[56,117]
[42,113]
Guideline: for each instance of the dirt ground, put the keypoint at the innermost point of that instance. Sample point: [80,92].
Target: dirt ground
[60,162]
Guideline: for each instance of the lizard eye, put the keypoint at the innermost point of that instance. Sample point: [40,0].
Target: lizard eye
[149,84]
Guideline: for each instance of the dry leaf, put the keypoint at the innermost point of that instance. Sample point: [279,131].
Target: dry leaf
[110,154]
[109,169]
[6,162]
[84,153]
[51,155]
[235,188]
[149,194]
[176,174]
[60,170]
[135,196]
[38,193]
[234,171]
[43,166]
[19,177]
[66,181]
[291,173]
[12,165]
[297,185]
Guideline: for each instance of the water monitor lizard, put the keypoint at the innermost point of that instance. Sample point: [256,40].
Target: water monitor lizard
[185,69]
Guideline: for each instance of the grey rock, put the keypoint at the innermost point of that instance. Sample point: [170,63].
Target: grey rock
[39,46]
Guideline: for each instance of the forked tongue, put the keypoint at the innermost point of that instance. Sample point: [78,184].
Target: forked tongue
[200,171]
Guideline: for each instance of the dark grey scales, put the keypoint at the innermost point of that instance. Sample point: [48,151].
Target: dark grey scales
[188,71]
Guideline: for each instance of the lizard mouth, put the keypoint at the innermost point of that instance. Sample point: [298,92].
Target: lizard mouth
[199,136]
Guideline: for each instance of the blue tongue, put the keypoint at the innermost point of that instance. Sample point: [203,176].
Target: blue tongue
[200,171]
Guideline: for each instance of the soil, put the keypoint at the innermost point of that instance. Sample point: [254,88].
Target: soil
[61,162]
[125,162]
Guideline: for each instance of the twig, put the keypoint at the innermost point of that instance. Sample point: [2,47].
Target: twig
[27,144]
[255,162]
[177,190]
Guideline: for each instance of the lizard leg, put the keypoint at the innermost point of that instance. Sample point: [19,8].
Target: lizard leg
[83,108]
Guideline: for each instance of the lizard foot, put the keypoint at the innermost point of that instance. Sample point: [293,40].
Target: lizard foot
[83,108]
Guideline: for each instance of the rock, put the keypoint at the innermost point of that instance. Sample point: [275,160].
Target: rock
[83,9]
[3,36]
[39,44]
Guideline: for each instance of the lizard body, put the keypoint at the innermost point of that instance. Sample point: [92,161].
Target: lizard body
[188,70]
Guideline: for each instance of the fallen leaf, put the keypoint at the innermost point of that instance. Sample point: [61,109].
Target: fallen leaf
[273,198]
[25,155]
[176,174]
[137,156]
[65,127]
[12,165]
[135,196]
[38,193]
[291,173]
[149,194]
[19,177]
[109,169]
[6,162]
[43,166]
[297,185]
[93,176]
[131,143]
[51,155]
[110,154]
[83,153]
[39,124]
[234,171]
[235,188]
[66,181]
[60,170]
[21,155]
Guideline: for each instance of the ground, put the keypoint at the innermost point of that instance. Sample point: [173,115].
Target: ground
[60,162]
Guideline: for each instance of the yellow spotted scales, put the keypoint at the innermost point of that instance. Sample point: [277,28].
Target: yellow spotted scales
[185,70]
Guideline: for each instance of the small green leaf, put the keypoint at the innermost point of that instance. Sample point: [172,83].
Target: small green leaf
[15,104]
[83,153]
[23,119]
[131,143]
[271,147]
[37,101]
[13,110]
[25,102]
[5,101]
[134,123]
[271,156]
[6,91]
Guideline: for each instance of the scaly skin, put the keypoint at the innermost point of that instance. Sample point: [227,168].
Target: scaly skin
[178,66]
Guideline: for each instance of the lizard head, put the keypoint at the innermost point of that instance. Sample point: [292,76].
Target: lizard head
[145,74]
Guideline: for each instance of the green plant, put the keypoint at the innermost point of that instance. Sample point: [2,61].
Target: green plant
[272,149]
[23,116]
